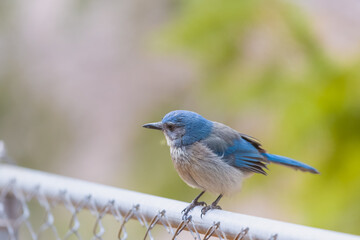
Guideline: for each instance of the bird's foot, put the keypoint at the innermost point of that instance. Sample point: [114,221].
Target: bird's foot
[192,205]
[205,209]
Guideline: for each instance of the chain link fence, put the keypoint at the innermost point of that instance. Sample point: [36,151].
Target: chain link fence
[34,212]
[38,205]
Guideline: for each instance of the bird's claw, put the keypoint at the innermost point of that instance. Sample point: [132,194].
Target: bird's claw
[205,209]
[192,205]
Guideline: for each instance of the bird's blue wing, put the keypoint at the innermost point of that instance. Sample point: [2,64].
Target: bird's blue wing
[238,150]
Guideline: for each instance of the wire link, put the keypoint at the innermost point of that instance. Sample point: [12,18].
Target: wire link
[215,228]
[154,221]
[125,220]
[242,234]
[189,224]
[273,237]
[99,229]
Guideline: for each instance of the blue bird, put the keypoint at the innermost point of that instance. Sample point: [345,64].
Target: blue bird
[214,157]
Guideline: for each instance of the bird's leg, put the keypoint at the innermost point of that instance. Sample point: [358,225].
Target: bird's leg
[193,204]
[214,205]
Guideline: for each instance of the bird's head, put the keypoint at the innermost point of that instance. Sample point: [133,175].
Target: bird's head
[182,127]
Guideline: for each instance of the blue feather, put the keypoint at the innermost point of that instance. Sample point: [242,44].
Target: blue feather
[196,126]
[289,162]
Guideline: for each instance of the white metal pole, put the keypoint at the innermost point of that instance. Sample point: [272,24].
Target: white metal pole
[230,223]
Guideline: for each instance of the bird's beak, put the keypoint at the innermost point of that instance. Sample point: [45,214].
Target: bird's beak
[157,125]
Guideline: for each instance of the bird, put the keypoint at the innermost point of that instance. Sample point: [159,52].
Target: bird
[213,157]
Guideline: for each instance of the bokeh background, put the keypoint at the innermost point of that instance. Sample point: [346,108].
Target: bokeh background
[79,78]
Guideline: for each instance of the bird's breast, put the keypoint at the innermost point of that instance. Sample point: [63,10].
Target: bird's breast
[199,167]
[180,155]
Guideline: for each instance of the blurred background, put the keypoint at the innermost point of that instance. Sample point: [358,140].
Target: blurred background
[79,78]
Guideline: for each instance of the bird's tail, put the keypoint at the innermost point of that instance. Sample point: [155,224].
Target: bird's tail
[289,162]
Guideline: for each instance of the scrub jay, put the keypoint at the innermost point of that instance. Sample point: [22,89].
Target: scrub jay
[214,157]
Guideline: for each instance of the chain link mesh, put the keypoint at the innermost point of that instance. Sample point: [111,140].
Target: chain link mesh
[17,208]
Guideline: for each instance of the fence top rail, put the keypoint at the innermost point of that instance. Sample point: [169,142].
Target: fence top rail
[153,208]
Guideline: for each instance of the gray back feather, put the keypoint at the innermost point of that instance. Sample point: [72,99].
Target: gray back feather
[236,149]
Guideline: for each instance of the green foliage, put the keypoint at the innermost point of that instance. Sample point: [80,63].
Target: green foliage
[264,54]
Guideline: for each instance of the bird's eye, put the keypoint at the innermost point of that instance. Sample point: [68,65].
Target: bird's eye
[171,127]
